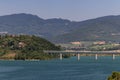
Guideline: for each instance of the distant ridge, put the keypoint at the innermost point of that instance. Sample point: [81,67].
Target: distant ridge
[62,30]
[32,24]
[105,28]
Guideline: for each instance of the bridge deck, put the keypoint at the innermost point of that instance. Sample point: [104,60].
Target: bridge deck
[84,52]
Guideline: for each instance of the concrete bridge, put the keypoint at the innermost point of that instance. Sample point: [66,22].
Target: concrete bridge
[113,53]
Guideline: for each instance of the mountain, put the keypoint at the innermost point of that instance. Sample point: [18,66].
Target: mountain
[104,28]
[32,24]
[62,30]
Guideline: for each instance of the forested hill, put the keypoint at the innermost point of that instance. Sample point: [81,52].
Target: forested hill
[62,30]
[32,24]
[25,47]
[104,28]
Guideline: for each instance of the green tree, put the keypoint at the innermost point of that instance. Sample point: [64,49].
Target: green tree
[114,76]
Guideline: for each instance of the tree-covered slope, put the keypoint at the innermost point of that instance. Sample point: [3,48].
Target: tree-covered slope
[105,28]
[25,47]
[62,30]
[32,24]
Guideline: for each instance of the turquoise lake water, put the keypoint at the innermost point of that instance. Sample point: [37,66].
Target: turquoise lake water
[68,69]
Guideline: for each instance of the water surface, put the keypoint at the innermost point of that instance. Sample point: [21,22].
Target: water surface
[68,69]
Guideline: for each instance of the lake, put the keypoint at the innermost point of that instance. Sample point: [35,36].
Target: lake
[67,69]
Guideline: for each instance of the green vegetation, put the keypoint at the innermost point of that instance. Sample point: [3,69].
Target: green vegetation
[25,47]
[61,30]
[114,76]
[104,47]
[99,29]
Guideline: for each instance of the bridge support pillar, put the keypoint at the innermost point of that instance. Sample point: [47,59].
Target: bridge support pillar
[96,56]
[78,56]
[113,56]
[60,56]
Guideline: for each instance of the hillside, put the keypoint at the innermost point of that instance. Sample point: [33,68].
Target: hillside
[105,28]
[32,24]
[60,30]
[25,47]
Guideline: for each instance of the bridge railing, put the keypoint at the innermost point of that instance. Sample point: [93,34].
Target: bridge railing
[83,52]
[78,52]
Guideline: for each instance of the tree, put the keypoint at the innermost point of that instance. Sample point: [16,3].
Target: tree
[114,76]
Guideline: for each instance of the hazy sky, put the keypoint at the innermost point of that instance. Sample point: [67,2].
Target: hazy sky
[77,10]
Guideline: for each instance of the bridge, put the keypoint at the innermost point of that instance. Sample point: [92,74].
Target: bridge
[113,53]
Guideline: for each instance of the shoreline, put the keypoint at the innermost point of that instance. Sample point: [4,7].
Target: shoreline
[103,55]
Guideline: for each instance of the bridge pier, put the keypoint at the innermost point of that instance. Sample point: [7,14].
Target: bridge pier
[96,56]
[113,56]
[78,53]
[78,56]
[60,56]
